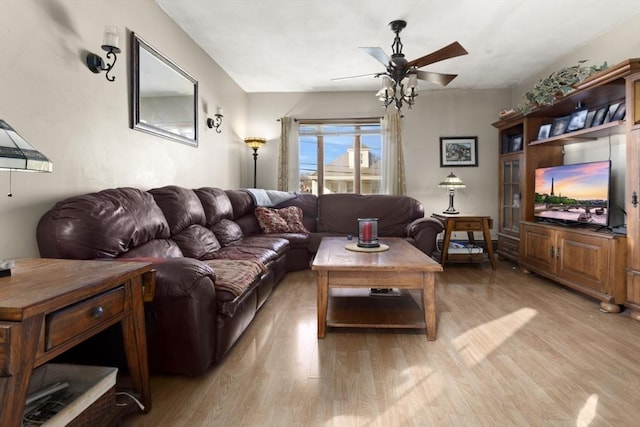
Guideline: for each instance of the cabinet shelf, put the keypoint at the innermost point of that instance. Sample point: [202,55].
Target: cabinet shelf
[583,135]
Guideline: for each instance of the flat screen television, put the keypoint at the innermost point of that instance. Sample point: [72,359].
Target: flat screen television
[573,194]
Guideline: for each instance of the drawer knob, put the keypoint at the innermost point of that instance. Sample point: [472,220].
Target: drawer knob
[98,312]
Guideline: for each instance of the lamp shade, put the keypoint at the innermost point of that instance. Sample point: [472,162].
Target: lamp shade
[16,154]
[255,142]
[452,181]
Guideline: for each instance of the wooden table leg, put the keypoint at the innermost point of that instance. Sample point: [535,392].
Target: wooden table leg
[429,304]
[488,243]
[20,340]
[447,239]
[135,343]
[323,302]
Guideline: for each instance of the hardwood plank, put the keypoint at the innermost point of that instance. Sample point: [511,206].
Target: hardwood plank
[512,349]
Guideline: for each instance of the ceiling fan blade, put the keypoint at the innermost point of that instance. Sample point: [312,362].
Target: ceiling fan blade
[450,51]
[356,77]
[378,54]
[437,78]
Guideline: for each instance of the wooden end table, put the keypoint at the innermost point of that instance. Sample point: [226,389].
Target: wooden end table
[48,306]
[470,224]
[403,266]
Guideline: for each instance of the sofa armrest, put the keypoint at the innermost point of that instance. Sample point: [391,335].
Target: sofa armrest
[425,231]
[181,319]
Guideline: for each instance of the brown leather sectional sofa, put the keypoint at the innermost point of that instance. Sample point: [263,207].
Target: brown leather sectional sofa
[214,266]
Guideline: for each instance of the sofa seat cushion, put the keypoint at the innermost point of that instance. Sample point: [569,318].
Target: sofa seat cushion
[275,244]
[296,240]
[233,280]
[259,255]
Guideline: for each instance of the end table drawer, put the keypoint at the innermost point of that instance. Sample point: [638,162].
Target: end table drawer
[71,321]
[463,225]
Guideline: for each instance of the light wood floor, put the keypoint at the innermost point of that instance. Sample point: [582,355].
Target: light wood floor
[511,350]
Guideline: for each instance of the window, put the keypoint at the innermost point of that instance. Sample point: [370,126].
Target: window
[335,147]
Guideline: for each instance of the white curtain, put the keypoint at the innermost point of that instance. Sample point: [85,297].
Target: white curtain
[392,180]
[288,165]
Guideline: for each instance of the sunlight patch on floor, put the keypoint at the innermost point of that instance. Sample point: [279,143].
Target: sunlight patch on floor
[476,344]
[588,412]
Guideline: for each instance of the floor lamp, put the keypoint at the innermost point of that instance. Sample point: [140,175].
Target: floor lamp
[255,143]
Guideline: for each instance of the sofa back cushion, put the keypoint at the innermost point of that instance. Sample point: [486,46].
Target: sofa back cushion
[105,224]
[243,207]
[186,218]
[216,204]
[339,213]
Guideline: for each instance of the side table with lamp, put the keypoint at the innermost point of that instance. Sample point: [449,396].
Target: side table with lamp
[454,221]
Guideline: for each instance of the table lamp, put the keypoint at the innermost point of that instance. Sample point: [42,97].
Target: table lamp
[16,154]
[451,182]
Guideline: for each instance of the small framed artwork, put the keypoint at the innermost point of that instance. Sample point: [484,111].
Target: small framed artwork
[516,143]
[598,119]
[544,131]
[611,111]
[589,121]
[560,125]
[620,112]
[577,120]
[458,151]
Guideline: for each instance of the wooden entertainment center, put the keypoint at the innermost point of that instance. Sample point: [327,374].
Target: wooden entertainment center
[597,262]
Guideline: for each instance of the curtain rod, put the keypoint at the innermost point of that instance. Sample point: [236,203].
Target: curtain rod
[337,120]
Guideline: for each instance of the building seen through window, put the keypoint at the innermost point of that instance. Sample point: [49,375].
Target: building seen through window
[335,148]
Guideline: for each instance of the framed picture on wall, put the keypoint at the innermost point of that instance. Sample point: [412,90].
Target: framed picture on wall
[458,151]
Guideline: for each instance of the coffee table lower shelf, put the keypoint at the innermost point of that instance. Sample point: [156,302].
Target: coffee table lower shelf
[355,308]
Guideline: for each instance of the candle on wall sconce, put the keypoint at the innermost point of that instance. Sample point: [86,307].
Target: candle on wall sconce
[217,121]
[111,45]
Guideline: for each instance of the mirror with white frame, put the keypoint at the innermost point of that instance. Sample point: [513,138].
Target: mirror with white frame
[164,97]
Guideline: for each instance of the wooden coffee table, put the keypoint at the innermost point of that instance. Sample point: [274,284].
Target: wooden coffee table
[344,278]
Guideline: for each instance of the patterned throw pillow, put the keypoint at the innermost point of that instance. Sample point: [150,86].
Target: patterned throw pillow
[293,217]
[285,220]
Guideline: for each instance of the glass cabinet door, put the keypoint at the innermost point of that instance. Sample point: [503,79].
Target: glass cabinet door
[510,201]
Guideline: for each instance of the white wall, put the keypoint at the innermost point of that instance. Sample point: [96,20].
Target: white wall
[616,45]
[81,121]
[436,113]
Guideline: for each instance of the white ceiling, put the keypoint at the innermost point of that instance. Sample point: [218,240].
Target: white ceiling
[300,45]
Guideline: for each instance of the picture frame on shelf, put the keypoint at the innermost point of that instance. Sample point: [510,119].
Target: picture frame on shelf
[611,111]
[560,125]
[544,131]
[577,120]
[516,143]
[599,117]
[458,151]
[589,120]
[620,113]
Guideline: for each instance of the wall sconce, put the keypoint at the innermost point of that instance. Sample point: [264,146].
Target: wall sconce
[451,182]
[111,46]
[215,123]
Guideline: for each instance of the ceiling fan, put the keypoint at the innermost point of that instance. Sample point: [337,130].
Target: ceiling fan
[399,80]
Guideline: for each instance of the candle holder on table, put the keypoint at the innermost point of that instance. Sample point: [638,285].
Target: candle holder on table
[368,233]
